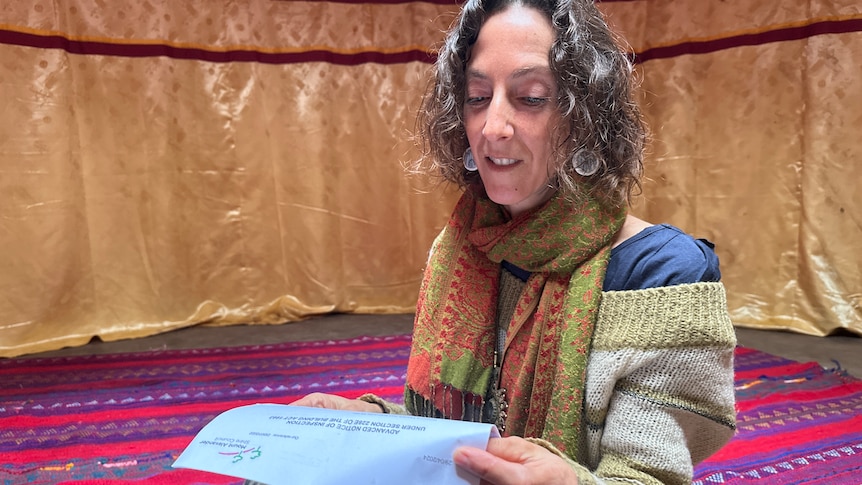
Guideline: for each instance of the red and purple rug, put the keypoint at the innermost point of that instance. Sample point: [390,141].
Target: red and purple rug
[796,423]
[126,417]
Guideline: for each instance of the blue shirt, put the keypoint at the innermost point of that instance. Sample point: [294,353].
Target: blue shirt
[660,255]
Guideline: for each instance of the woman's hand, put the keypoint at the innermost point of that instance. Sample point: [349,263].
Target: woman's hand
[331,401]
[515,461]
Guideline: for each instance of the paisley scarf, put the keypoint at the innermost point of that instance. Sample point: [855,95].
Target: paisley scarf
[566,248]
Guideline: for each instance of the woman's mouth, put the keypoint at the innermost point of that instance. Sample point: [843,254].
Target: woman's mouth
[503,162]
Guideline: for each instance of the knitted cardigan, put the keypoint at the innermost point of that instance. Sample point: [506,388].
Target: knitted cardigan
[659,387]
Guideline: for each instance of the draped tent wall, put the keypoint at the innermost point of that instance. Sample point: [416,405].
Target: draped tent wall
[756,110]
[168,165]
[172,164]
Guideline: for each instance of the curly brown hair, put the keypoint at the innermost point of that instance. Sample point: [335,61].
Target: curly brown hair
[600,121]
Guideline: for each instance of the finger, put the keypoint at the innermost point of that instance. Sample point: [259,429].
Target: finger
[332,401]
[488,467]
[512,448]
[313,400]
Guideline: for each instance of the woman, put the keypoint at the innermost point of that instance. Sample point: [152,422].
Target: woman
[598,343]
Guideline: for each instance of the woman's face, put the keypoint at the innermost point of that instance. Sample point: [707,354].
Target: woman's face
[510,107]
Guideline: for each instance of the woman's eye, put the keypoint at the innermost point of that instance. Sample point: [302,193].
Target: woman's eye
[534,101]
[473,100]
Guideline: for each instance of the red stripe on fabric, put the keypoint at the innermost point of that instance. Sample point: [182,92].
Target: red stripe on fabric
[109,450]
[801,397]
[174,477]
[413,55]
[759,38]
[741,449]
[779,370]
[191,53]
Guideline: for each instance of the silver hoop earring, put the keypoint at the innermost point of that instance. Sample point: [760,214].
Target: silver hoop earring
[469,161]
[586,163]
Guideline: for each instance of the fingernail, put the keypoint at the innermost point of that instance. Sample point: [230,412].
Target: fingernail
[461,457]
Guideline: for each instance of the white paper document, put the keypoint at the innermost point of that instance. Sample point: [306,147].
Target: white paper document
[279,444]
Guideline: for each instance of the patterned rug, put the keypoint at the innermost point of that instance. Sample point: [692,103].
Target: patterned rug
[796,423]
[126,417]
[104,418]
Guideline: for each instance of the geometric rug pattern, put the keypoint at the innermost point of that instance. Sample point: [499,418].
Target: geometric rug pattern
[124,418]
[96,418]
[796,423]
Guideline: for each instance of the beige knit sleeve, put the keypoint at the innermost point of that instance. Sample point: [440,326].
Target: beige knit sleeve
[659,393]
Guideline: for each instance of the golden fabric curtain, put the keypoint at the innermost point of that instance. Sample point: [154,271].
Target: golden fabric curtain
[755,109]
[177,163]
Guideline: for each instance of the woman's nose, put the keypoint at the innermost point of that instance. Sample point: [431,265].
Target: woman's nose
[498,120]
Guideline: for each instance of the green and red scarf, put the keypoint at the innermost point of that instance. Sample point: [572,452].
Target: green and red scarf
[565,246]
